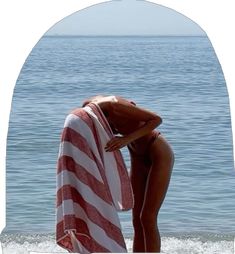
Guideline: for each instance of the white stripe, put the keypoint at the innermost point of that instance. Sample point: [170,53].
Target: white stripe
[110,164]
[77,124]
[107,211]
[97,233]
[113,179]
[68,149]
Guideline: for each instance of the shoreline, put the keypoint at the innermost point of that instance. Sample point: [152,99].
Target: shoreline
[45,243]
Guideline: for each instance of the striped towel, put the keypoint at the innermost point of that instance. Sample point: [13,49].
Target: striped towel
[92,185]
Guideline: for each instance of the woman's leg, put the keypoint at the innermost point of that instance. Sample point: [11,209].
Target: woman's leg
[138,176]
[156,188]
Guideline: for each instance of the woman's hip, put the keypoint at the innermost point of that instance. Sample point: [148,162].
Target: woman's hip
[161,150]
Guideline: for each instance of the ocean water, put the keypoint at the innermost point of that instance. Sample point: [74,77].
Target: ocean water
[179,78]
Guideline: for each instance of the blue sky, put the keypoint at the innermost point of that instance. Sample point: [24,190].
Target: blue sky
[126,17]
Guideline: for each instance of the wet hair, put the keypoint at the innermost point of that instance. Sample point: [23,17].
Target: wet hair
[87,101]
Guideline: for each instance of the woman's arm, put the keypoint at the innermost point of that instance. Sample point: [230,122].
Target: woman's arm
[133,113]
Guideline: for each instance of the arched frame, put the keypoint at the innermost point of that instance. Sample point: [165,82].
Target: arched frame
[24,23]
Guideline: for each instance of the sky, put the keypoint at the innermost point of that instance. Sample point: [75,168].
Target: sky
[129,17]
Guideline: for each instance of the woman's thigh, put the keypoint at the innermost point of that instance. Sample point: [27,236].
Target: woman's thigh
[159,175]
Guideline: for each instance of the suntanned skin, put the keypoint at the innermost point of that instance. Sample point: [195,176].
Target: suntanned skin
[149,180]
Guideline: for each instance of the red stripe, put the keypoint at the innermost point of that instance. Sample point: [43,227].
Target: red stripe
[67,163]
[81,227]
[77,140]
[114,232]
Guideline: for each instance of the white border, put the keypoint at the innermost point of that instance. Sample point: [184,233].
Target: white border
[22,24]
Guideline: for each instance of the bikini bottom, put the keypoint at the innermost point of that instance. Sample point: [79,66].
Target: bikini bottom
[145,155]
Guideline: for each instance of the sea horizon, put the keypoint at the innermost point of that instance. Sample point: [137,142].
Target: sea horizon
[125,35]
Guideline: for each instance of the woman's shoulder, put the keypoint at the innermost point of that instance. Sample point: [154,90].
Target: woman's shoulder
[113,104]
[124,100]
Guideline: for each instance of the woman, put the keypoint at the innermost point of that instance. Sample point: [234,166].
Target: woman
[152,161]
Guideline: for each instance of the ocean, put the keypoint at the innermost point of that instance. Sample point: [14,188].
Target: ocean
[177,77]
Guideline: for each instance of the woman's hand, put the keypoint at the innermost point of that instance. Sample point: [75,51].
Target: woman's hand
[116,143]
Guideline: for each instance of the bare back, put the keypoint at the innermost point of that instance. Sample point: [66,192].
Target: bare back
[120,123]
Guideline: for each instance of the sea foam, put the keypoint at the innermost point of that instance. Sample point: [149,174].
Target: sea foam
[45,243]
